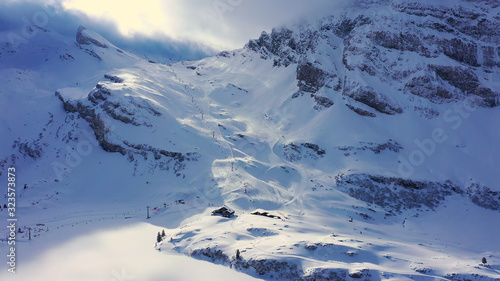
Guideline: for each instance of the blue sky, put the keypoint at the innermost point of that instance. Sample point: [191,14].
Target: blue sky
[188,29]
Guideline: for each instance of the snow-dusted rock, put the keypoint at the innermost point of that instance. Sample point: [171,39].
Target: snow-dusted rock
[86,37]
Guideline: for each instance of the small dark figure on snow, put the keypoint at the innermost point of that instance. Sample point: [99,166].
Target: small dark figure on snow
[163,233]
[484,261]
[158,238]
[238,256]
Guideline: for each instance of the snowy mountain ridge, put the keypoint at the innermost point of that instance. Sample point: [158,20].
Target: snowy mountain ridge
[363,145]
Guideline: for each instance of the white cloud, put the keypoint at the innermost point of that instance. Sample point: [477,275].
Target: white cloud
[187,29]
[144,16]
[221,24]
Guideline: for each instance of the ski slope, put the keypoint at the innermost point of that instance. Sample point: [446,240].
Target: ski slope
[398,186]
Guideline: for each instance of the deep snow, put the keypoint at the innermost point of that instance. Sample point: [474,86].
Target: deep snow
[252,151]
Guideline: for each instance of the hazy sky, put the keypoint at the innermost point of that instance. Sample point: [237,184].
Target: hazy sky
[218,24]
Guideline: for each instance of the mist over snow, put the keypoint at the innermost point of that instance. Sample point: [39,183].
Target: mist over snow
[114,252]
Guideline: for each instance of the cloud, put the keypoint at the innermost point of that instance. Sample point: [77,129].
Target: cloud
[220,24]
[16,16]
[188,29]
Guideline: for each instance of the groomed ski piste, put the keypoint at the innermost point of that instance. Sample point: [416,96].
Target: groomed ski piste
[403,188]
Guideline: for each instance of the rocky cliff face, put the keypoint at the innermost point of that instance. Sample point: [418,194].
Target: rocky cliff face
[83,38]
[105,107]
[432,51]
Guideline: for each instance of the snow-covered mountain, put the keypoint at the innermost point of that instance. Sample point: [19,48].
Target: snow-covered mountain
[361,145]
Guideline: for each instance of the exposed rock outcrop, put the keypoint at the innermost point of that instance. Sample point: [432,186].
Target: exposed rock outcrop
[310,78]
[396,193]
[296,152]
[484,197]
[101,103]
[467,81]
[278,269]
[113,78]
[377,101]
[83,38]
[377,148]
[399,58]
[283,45]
